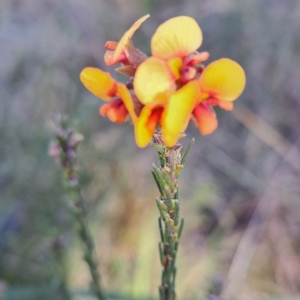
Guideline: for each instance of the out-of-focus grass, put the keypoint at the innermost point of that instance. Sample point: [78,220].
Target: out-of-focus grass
[44,45]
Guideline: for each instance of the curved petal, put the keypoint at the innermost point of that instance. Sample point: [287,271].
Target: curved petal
[196,58]
[177,112]
[187,74]
[153,81]
[125,40]
[98,82]
[118,115]
[205,118]
[175,64]
[223,79]
[105,108]
[177,37]
[115,111]
[109,58]
[146,125]
[111,45]
[170,139]
[124,94]
[226,105]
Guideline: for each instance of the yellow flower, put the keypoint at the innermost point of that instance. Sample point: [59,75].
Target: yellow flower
[173,82]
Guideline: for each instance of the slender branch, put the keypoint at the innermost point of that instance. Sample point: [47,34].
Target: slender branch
[86,239]
[65,150]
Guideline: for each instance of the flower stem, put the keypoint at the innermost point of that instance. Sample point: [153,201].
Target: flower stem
[166,179]
[65,150]
[86,239]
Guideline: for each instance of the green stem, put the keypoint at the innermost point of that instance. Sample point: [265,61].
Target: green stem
[166,179]
[86,238]
[59,253]
[65,149]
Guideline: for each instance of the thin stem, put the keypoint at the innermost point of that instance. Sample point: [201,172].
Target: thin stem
[64,149]
[59,253]
[86,238]
[166,179]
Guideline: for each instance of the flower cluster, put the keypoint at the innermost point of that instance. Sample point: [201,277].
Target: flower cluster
[168,89]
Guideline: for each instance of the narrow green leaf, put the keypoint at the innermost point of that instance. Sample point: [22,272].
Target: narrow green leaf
[176,207]
[176,246]
[161,230]
[171,246]
[168,199]
[161,210]
[168,180]
[167,231]
[180,228]
[173,259]
[187,151]
[161,253]
[160,188]
[159,178]
[162,160]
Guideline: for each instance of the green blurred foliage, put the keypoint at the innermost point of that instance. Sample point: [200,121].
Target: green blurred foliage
[44,45]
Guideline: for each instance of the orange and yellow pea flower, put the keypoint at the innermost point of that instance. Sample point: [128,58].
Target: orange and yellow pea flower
[173,81]
[169,88]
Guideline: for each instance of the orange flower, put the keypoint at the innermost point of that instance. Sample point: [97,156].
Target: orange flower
[102,85]
[173,81]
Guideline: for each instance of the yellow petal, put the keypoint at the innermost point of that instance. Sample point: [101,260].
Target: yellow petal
[206,119]
[170,139]
[153,81]
[177,112]
[175,65]
[177,37]
[98,82]
[223,79]
[146,125]
[124,94]
[125,40]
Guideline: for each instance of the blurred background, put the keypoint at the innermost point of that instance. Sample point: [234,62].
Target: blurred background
[239,191]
